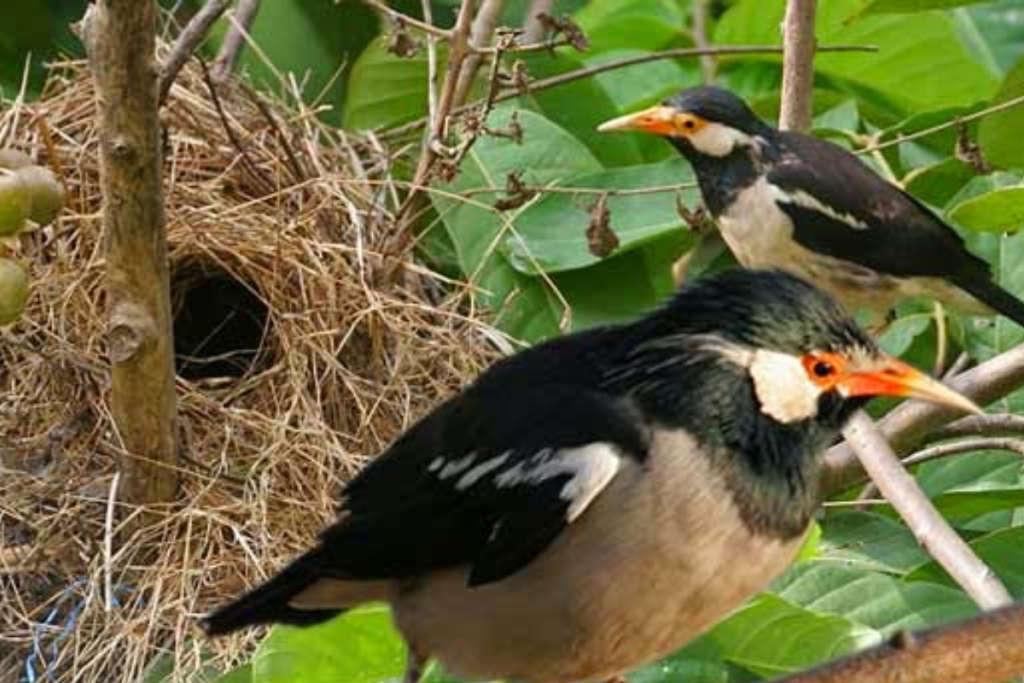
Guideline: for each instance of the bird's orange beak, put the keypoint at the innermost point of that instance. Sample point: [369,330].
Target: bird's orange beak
[659,120]
[896,378]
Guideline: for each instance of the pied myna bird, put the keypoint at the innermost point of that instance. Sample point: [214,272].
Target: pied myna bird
[595,502]
[787,200]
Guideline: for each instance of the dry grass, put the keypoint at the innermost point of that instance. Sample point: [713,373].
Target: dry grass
[294,210]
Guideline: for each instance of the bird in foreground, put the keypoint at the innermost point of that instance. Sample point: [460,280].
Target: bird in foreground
[593,503]
[787,200]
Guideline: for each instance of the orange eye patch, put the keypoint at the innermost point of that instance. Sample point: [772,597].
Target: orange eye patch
[688,124]
[824,369]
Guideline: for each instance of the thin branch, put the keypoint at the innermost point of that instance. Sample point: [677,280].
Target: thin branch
[428,15]
[235,40]
[405,20]
[982,443]
[938,128]
[1003,424]
[533,29]
[188,41]
[587,72]
[984,649]
[699,17]
[798,66]
[929,528]
[911,424]
[481,36]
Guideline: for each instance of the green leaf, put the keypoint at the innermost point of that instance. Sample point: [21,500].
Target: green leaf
[771,636]
[242,674]
[681,669]
[883,603]
[998,211]
[900,335]
[1005,255]
[871,541]
[961,504]
[547,155]
[909,6]
[1001,135]
[580,107]
[551,234]
[1002,551]
[360,646]
[633,24]
[386,90]
[937,183]
[1001,22]
[921,63]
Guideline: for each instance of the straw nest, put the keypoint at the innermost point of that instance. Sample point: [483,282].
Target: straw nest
[273,220]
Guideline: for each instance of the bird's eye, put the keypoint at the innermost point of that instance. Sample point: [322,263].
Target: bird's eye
[823,369]
[689,124]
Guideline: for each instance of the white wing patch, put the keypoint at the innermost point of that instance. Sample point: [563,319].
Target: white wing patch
[809,201]
[783,388]
[590,467]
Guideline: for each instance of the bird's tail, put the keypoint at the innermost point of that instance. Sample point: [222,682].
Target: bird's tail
[269,602]
[995,297]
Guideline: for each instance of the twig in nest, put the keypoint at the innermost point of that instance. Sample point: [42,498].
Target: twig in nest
[601,239]
[188,41]
[231,49]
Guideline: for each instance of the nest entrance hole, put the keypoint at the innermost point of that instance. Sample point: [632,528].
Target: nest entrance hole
[219,322]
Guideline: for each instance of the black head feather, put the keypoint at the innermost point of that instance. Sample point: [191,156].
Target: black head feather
[720,106]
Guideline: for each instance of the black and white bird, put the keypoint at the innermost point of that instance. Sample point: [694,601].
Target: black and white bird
[787,200]
[593,503]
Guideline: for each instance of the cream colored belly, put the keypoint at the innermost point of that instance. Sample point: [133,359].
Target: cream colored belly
[656,560]
[768,243]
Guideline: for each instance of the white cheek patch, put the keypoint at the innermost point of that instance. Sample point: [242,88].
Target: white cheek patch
[784,390]
[717,140]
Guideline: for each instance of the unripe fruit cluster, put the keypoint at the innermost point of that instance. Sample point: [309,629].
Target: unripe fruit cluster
[27,193]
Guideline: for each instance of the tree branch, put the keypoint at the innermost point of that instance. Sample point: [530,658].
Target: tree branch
[985,649]
[932,532]
[798,66]
[234,41]
[533,29]
[587,72]
[911,424]
[699,18]
[1003,424]
[480,36]
[188,41]
[121,37]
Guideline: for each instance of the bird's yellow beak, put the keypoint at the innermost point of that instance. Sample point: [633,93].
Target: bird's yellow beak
[896,378]
[659,120]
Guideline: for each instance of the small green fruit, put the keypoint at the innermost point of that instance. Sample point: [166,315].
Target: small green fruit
[45,191]
[13,290]
[15,203]
[13,159]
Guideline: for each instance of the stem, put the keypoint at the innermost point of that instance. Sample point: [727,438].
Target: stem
[235,40]
[185,46]
[121,39]
[481,35]
[930,529]
[798,66]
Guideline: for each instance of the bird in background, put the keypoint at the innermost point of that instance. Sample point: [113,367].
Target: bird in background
[787,200]
[595,502]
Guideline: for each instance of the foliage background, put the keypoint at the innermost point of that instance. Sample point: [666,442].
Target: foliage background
[862,578]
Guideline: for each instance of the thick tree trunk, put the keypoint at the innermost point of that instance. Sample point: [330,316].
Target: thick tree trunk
[121,36]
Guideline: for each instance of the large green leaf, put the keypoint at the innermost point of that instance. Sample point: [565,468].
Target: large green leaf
[1001,23]
[384,89]
[1002,551]
[553,229]
[1001,210]
[1005,254]
[771,636]
[921,63]
[908,6]
[361,646]
[548,154]
[1001,135]
[881,602]
[580,106]
[869,540]
[633,24]
[937,183]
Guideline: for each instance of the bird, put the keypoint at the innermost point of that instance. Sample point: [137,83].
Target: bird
[594,502]
[783,199]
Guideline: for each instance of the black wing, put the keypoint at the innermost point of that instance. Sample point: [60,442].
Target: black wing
[487,481]
[842,208]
